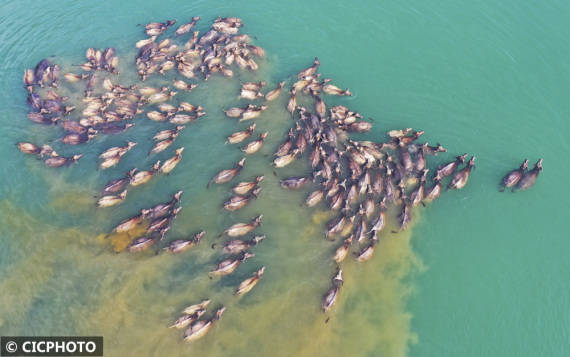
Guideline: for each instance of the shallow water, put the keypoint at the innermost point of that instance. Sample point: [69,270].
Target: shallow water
[479,273]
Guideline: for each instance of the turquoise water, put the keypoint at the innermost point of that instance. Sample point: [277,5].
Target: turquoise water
[480,273]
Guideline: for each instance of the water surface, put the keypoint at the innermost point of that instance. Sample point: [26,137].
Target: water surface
[479,273]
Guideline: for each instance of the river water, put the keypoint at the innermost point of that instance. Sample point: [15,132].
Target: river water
[479,272]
